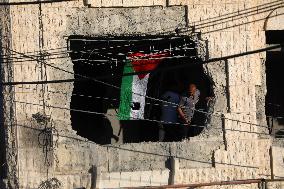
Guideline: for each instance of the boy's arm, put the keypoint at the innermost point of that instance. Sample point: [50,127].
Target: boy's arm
[196,96]
[182,115]
[180,112]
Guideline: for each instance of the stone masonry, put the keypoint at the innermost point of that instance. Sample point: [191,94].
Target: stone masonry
[226,150]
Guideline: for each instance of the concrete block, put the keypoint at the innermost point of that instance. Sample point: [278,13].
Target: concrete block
[156,178]
[164,177]
[135,178]
[125,179]
[145,178]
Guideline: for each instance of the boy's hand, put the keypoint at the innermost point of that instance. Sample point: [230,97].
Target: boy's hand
[187,122]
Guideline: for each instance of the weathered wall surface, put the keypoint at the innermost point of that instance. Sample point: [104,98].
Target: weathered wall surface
[278,164]
[8,120]
[219,153]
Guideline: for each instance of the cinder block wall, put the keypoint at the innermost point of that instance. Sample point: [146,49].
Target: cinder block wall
[213,156]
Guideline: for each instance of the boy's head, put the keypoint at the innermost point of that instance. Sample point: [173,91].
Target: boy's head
[191,89]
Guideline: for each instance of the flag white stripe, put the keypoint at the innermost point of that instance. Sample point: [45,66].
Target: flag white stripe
[139,89]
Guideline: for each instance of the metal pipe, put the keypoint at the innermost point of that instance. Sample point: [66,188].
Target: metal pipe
[234,182]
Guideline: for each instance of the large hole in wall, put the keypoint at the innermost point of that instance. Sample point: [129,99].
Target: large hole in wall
[107,59]
[274,81]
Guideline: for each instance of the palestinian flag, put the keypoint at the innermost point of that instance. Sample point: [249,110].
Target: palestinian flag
[134,87]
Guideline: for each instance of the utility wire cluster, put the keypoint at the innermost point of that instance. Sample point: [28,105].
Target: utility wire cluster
[143,152]
[184,65]
[159,100]
[150,120]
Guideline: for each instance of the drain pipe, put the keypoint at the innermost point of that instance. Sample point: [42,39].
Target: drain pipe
[174,166]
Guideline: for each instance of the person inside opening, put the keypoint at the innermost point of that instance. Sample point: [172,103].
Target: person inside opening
[186,109]
[169,130]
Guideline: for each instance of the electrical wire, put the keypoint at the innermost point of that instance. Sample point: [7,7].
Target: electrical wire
[217,21]
[160,69]
[132,118]
[207,61]
[162,40]
[268,48]
[148,103]
[238,13]
[181,57]
[243,23]
[66,71]
[49,55]
[143,152]
[40,82]
[116,87]
[33,2]
[229,17]
[155,104]
[204,62]
[242,17]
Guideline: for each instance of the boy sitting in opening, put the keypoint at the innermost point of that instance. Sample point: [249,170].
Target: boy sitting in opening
[187,107]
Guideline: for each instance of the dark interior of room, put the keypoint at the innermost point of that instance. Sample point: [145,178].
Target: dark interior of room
[103,58]
[178,80]
[274,72]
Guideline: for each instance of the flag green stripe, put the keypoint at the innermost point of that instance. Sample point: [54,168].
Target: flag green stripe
[126,93]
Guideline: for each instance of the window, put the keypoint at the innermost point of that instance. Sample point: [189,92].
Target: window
[107,59]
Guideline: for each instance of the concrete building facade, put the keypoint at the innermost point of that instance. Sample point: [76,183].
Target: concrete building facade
[41,149]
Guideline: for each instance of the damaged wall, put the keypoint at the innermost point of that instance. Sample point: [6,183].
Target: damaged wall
[219,153]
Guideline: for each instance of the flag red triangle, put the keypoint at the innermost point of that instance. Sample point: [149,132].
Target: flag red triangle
[146,62]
